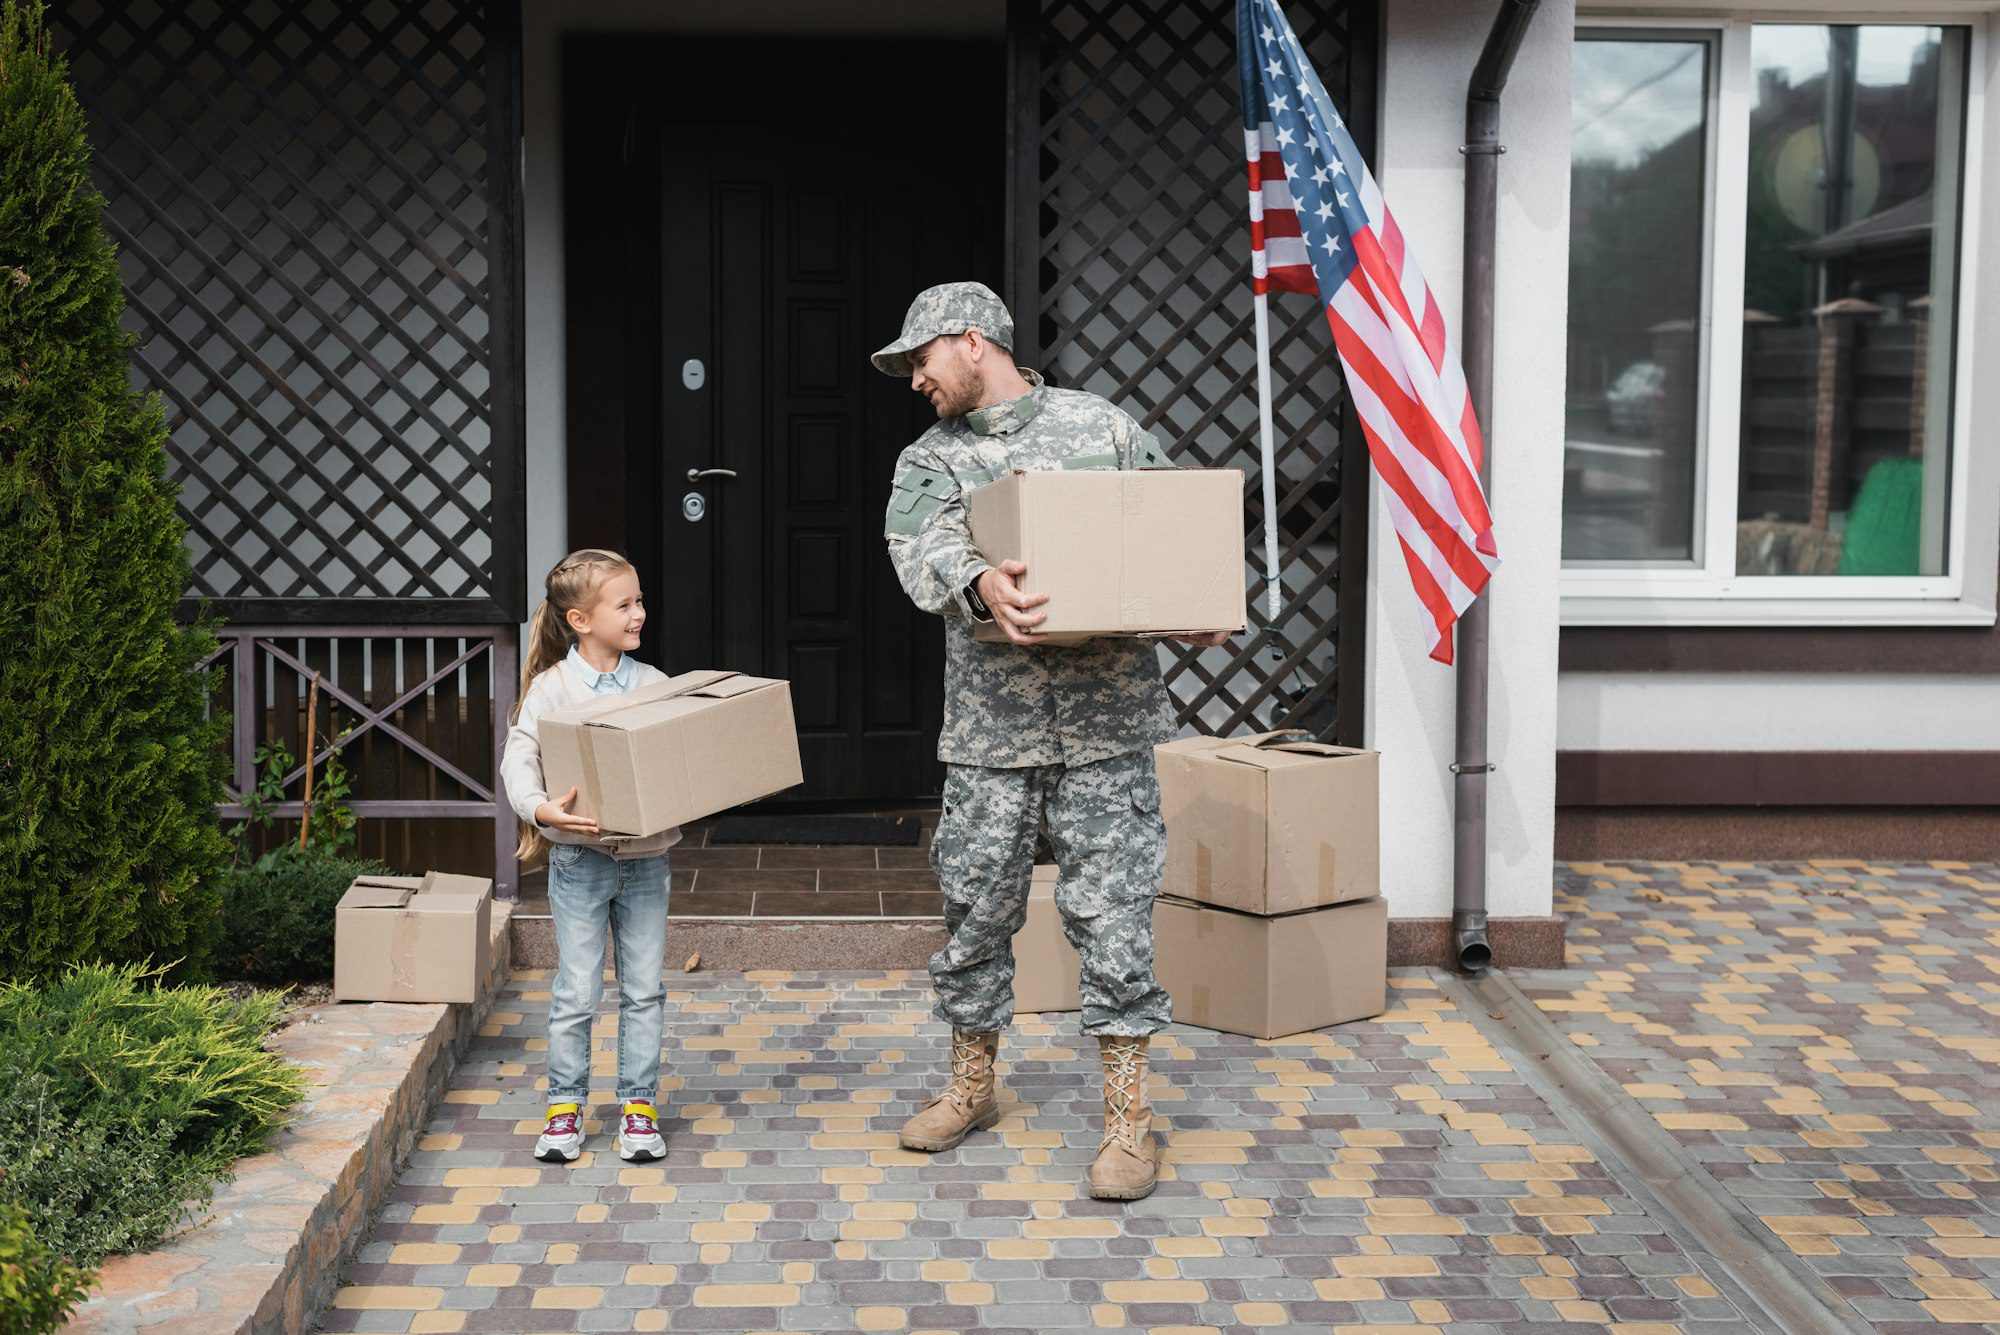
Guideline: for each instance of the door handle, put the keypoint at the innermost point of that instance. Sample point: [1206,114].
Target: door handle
[697,474]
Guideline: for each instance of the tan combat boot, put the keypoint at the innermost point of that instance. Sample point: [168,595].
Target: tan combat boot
[1124,1169]
[969,1103]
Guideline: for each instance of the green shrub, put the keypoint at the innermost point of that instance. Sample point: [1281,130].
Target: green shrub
[125,1103]
[277,914]
[109,772]
[189,1058]
[37,1286]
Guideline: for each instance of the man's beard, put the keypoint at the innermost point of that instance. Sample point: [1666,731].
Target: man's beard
[959,398]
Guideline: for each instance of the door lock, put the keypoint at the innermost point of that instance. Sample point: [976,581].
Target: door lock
[693,373]
[693,506]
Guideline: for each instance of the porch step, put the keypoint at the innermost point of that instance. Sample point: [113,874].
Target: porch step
[735,944]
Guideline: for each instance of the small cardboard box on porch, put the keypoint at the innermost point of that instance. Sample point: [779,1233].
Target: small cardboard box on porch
[1149,551]
[1270,976]
[1269,824]
[1045,963]
[413,938]
[674,751]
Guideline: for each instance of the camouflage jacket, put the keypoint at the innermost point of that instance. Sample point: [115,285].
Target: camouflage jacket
[1007,706]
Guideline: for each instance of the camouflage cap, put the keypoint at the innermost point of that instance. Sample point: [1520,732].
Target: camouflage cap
[949,308]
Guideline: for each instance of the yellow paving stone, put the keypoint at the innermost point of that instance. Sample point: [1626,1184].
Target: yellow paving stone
[423,1253]
[872,1230]
[651,1319]
[1945,1286]
[1155,1291]
[1385,1267]
[1950,1226]
[476,1196]
[662,1195]
[1360,1289]
[1549,1288]
[571,1298]
[883,1318]
[1698,1121]
[1430,1311]
[641,1177]
[746,1295]
[492,1177]
[1185,1247]
[493,1276]
[1547,1205]
[1529,1171]
[594,1213]
[1027,1191]
[1516,1244]
[1695,1286]
[1581,1311]
[389,1297]
[479,1096]
[1963,1310]
[436,1323]
[1107,1316]
[718,1230]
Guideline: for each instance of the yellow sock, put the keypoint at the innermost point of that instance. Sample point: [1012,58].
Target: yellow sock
[644,1108]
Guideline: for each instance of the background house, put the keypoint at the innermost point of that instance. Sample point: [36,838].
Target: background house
[410,278]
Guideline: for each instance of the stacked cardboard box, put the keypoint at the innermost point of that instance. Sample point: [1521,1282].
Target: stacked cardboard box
[1270,919]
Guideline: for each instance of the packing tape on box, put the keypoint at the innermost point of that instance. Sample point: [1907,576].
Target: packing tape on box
[403,951]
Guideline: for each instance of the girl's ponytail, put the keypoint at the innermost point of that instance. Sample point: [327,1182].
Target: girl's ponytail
[571,586]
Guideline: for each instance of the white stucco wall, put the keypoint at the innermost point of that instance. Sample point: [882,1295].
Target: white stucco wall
[1431,47]
[1760,711]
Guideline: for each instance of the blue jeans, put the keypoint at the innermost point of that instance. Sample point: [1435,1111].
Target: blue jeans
[591,893]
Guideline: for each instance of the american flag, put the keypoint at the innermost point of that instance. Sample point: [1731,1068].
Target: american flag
[1318,224]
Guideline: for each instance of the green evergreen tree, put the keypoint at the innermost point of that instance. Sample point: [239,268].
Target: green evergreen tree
[109,844]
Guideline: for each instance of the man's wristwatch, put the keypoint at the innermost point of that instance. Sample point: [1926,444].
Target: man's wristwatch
[980,611]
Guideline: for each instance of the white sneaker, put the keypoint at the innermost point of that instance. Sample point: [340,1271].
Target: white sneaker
[561,1140]
[639,1138]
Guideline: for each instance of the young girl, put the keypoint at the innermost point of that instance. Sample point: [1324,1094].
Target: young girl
[579,646]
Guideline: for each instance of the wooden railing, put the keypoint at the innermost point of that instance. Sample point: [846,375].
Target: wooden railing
[417,715]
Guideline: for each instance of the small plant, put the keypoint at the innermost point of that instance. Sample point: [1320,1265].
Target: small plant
[38,1285]
[329,823]
[126,1102]
[277,915]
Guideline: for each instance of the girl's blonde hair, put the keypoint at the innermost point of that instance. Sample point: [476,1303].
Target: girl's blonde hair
[571,587]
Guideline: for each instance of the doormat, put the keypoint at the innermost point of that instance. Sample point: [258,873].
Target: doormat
[899,831]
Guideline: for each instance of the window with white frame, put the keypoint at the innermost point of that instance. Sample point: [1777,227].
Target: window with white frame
[1765,299]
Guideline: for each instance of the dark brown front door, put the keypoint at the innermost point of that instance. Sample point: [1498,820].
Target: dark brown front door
[789,252]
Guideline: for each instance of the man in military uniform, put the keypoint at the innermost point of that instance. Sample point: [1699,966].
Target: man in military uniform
[1035,738]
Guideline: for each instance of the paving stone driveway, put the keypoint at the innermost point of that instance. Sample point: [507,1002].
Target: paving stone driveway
[1396,1175]
[1823,1037]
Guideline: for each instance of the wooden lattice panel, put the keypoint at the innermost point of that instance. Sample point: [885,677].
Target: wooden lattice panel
[299,194]
[1142,294]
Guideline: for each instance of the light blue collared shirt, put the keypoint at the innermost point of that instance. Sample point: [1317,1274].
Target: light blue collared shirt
[615,682]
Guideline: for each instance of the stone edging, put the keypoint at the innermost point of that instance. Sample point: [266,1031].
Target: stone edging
[265,1255]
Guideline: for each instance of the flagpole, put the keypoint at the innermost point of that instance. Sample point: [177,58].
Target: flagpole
[1272,592]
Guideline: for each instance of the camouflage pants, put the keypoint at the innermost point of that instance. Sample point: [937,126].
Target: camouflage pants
[1103,821]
